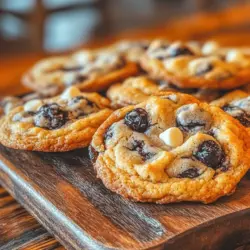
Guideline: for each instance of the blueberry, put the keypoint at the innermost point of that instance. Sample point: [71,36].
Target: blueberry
[180,51]
[51,116]
[120,64]
[210,154]
[189,173]
[190,126]
[80,78]
[242,116]
[80,98]
[244,119]
[144,46]
[109,133]
[137,120]
[139,146]
[243,104]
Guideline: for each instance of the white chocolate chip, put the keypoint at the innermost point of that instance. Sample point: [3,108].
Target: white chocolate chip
[83,57]
[238,57]
[32,105]
[70,93]
[69,78]
[172,137]
[209,47]
[234,55]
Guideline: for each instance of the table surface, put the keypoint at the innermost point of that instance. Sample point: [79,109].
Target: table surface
[18,229]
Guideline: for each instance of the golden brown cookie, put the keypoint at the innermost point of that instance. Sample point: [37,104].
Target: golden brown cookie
[137,89]
[87,70]
[236,104]
[62,123]
[170,148]
[191,66]
[132,50]
[8,103]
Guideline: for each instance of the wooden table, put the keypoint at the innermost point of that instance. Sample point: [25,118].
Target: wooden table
[18,229]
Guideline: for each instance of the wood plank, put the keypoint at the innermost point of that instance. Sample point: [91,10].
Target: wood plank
[20,230]
[62,192]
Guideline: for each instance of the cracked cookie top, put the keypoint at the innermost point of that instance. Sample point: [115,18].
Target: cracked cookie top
[170,148]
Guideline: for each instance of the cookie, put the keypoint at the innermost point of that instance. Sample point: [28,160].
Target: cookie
[170,148]
[191,66]
[8,103]
[87,70]
[62,123]
[137,89]
[236,104]
[132,50]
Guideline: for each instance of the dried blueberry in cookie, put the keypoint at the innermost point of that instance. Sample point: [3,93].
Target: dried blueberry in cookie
[109,134]
[209,153]
[179,50]
[81,106]
[137,120]
[176,158]
[236,104]
[236,112]
[189,173]
[61,123]
[185,167]
[140,147]
[51,116]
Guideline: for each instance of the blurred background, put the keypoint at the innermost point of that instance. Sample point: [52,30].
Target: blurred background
[54,26]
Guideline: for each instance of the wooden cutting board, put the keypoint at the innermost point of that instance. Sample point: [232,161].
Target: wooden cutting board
[62,192]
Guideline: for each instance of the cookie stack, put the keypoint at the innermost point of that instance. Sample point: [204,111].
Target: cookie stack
[171,121]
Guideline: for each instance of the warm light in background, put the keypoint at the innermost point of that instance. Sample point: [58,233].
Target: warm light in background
[59,25]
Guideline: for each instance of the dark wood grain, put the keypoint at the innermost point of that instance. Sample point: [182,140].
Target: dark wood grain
[20,230]
[62,192]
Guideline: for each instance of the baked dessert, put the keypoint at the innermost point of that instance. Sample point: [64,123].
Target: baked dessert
[8,103]
[132,50]
[170,148]
[62,123]
[236,104]
[137,89]
[192,65]
[87,70]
